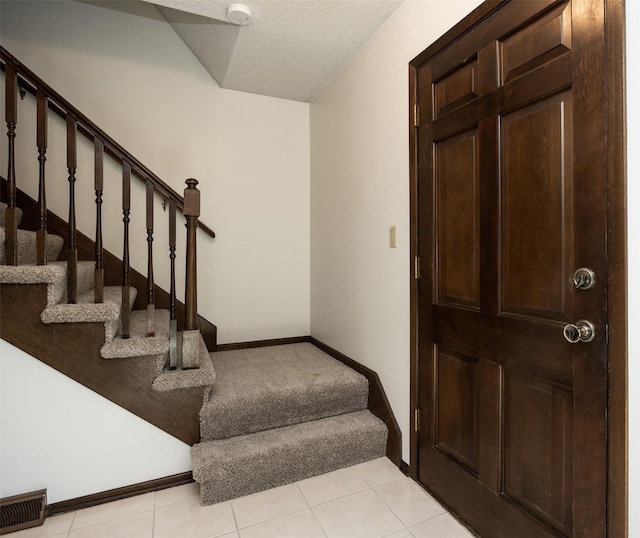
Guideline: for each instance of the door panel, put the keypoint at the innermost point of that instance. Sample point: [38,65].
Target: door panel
[537,209]
[510,202]
[536,44]
[457,218]
[538,447]
[457,408]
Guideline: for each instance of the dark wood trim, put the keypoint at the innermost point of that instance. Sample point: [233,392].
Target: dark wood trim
[404,467]
[112,264]
[262,343]
[413,281]
[617,471]
[378,402]
[119,493]
[30,82]
[73,349]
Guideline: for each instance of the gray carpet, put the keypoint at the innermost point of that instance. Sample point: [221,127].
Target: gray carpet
[230,468]
[138,343]
[270,387]
[27,246]
[280,414]
[3,208]
[203,376]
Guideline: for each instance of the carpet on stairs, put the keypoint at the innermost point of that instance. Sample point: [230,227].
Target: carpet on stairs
[280,414]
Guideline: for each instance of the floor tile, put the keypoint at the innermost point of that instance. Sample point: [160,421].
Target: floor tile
[442,526]
[330,486]
[177,494]
[378,471]
[135,526]
[266,505]
[298,525]
[362,515]
[400,534]
[53,526]
[113,510]
[187,519]
[409,501]
[233,534]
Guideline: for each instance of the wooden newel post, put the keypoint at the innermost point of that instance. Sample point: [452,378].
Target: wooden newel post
[191,334]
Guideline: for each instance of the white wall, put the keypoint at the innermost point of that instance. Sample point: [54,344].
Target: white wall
[633,223]
[131,74]
[59,435]
[359,188]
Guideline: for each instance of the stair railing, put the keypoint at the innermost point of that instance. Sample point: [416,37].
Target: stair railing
[18,81]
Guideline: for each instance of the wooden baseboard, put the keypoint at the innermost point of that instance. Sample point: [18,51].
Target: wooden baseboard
[262,343]
[378,402]
[378,405]
[119,493]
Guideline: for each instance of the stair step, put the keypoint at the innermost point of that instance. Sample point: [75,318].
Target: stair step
[203,376]
[230,468]
[139,344]
[53,274]
[27,246]
[263,388]
[85,310]
[3,208]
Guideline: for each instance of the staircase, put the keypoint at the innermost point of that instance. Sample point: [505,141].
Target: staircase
[270,416]
[257,418]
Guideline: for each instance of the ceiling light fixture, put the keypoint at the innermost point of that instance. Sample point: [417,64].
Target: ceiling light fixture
[239,14]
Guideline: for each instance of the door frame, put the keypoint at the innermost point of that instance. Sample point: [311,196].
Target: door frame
[617,354]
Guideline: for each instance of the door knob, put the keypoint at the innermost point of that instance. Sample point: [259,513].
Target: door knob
[582,331]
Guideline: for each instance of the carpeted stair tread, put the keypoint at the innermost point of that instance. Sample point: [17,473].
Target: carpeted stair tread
[138,343]
[3,209]
[230,468]
[85,310]
[203,376]
[27,246]
[270,387]
[54,274]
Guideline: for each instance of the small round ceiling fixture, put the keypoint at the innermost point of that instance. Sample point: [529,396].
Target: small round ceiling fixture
[239,14]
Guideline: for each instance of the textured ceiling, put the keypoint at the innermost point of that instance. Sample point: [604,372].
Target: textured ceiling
[291,50]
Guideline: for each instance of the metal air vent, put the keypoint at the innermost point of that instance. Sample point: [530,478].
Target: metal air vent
[22,511]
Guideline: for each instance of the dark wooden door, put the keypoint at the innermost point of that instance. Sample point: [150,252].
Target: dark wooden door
[511,201]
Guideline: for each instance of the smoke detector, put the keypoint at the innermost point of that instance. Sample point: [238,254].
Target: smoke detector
[239,14]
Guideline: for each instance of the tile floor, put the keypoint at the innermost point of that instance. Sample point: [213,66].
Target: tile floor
[370,500]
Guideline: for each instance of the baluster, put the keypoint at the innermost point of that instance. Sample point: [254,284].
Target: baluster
[126,286]
[72,253]
[98,276]
[41,233]
[11,116]
[173,323]
[191,334]
[150,294]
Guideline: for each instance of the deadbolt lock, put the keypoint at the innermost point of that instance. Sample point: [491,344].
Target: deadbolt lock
[584,278]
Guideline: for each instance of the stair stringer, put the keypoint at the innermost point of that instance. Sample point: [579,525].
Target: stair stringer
[74,350]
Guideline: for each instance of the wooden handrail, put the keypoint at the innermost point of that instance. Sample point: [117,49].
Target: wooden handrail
[30,82]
